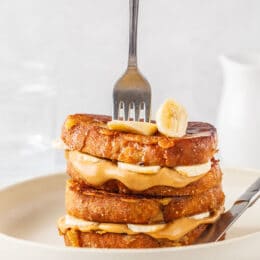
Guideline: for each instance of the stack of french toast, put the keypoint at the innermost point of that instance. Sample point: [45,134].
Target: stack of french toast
[135,185]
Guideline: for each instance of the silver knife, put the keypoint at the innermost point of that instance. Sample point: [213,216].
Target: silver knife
[215,231]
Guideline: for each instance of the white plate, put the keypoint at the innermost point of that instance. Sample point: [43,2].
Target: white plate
[29,210]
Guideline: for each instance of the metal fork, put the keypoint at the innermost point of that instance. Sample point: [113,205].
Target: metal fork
[132,92]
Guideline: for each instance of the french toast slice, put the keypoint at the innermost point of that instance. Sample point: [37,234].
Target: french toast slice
[89,134]
[207,181]
[77,238]
[99,206]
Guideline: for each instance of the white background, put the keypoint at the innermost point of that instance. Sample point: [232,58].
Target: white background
[59,57]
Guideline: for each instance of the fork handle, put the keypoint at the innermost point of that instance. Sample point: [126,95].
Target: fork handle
[132,59]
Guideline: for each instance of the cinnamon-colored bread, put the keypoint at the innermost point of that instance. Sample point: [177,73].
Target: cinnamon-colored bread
[100,206]
[77,238]
[89,134]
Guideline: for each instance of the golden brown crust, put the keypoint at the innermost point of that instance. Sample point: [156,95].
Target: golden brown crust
[211,179]
[100,206]
[113,240]
[88,133]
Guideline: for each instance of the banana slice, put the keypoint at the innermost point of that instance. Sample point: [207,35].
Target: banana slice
[72,221]
[134,127]
[146,228]
[139,169]
[89,158]
[172,119]
[194,170]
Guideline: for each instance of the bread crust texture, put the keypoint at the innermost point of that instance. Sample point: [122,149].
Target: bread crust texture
[89,134]
[78,238]
[104,207]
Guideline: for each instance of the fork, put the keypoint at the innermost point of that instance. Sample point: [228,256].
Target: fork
[132,92]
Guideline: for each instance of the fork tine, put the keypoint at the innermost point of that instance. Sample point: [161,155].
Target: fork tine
[126,110]
[116,104]
[147,111]
[115,109]
[137,111]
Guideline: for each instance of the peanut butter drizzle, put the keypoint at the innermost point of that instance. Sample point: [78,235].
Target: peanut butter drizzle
[172,231]
[97,173]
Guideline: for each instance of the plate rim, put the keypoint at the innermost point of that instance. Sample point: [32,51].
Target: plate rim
[116,250]
[126,250]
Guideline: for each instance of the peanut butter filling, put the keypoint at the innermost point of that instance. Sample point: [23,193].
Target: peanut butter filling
[172,231]
[100,171]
